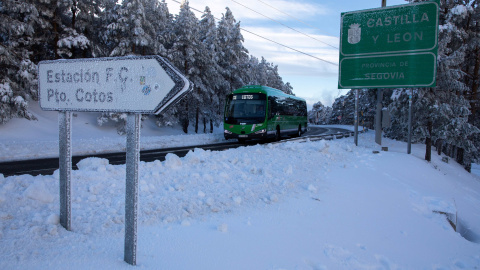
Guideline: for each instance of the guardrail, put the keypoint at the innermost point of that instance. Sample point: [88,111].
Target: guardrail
[313,138]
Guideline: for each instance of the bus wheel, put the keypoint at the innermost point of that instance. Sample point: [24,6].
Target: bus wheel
[278,136]
[299,132]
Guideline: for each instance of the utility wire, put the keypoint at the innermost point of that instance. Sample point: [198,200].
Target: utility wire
[307,24]
[284,25]
[326,61]
[307,54]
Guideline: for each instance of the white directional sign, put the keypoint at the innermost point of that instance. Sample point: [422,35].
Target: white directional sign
[137,84]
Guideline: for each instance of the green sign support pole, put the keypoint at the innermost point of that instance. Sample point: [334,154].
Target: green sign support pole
[378,112]
[356,118]
[409,145]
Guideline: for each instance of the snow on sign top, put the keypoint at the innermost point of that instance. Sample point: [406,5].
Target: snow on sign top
[138,84]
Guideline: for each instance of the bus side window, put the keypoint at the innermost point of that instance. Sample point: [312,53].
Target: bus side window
[272,108]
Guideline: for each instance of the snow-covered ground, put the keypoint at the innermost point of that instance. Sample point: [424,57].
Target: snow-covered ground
[22,139]
[313,205]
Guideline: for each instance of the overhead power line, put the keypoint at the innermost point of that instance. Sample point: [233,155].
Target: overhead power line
[307,54]
[307,24]
[284,25]
[290,48]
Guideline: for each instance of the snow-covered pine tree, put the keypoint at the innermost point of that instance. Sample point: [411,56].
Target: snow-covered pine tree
[287,88]
[80,21]
[319,114]
[108,32]
[366,107]
[273,78]
[264,73]
[157,13]
[458,39]
[460,127]
[47,30]
[343,108]
[140,27]
[135,34]
[233,56]
[184,53]
[338,110]
[470,14]
[257,71]
[425,109]
[18,74]
[399,116]
[463,17]
[210,73]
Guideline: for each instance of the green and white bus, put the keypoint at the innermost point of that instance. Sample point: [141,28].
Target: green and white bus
[260,112]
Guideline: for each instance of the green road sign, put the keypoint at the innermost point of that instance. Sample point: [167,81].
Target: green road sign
[399,42]
[400,70]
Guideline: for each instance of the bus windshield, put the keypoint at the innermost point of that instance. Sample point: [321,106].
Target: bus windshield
[245,108]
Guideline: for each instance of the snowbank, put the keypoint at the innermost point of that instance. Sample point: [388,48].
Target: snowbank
[320,205]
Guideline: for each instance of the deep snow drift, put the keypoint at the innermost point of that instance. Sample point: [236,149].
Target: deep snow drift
[312,205]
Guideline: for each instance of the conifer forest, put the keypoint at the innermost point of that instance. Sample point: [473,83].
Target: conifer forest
[212,55]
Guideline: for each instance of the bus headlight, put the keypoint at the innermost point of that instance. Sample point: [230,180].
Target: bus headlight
[227,132]
[262,131]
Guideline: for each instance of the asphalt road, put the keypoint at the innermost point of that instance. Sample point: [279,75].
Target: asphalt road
[47,166]
[315,130]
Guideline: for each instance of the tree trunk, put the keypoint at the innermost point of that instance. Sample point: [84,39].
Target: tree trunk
[428,142]
[73,50]
[475,99]
[74,13]
[185,125]
[449,150]
[55,30]
[184,119]
[439,146]
[459,157]
[211,125]
[468,167]
[197,113]
[204,125]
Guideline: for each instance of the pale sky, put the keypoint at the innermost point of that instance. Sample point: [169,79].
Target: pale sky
[309,26]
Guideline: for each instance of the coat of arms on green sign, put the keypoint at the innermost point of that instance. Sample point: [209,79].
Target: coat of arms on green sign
[354,33]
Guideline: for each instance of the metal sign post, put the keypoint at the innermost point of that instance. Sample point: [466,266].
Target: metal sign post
[409,145]
[356,117]
[131,193]
[378,117]
[65,167]
[136,85]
